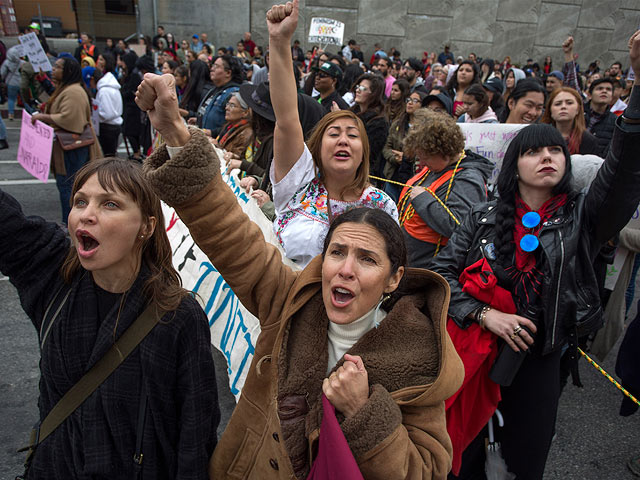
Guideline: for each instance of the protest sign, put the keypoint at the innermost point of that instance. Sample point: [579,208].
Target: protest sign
[33,50]
[234,330]
[326,31]
[34,149]
[490,140]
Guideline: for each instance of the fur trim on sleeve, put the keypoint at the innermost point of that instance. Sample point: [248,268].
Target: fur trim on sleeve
[177,179]
[374,422]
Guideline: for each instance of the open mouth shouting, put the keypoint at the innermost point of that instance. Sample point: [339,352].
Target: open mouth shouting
[342,155]
[341,297]
[86,244]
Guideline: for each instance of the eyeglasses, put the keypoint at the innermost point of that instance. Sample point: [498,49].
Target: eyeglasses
[413,100]
[362,88]
[530,242]
[232,106]
[322,75]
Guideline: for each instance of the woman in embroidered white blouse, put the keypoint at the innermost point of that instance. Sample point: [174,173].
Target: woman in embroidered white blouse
[315,182]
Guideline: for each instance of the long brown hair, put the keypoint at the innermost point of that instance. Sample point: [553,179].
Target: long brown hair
[579,125]
[361,179]
[164,286]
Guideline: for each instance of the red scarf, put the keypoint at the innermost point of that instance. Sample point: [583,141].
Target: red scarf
[525,261]
[231,128]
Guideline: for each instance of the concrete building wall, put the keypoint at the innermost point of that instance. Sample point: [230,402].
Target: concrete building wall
[490,28]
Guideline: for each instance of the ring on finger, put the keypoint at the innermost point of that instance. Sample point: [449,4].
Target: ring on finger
[513,336]
[517,330]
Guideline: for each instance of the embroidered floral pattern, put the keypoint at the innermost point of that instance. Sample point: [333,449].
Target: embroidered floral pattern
[310,201]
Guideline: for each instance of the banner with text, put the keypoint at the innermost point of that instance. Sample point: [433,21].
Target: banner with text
[234,330]
[34,149]
[326,31]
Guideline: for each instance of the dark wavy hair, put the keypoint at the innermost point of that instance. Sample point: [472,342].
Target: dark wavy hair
[453,81]
[376,102]
[533,136]
[383,223]
[71,73]
[198,80]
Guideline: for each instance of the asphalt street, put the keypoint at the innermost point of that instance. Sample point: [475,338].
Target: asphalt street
[593,442]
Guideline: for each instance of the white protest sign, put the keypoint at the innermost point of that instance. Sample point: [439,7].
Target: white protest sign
[490,140]
[234,330]
[33,50]
[34,149]
[326,31]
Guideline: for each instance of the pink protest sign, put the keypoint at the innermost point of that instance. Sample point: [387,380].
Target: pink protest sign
[34,150]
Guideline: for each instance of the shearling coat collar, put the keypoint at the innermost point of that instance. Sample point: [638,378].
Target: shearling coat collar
[412,364]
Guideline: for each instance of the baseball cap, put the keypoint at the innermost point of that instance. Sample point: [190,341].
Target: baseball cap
[330,69]
[558,74]
[495,85]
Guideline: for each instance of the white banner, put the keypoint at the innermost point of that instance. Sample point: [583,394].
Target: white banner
[234,330]
[326,31]
[33,50]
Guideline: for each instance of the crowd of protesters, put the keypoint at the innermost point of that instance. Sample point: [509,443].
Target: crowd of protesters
[362,168]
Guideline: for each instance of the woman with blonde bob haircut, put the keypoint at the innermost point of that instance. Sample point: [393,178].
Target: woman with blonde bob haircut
[564,110]
[314,183]
[82,292]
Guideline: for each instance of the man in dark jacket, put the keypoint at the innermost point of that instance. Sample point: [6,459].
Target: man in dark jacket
[226,75]
[600,122]
[328,77]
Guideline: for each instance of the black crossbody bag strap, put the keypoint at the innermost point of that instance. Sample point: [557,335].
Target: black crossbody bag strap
[91,380]
[142,414]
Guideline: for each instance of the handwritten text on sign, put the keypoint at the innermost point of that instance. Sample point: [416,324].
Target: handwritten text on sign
[234,330]
[490,140]
[34,51]
[34,150]
[326,30]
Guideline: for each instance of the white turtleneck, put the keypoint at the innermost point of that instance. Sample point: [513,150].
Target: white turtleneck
[343,337]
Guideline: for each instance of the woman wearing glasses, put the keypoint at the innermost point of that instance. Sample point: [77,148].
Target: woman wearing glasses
[398,168]
[369,107]
[540,239]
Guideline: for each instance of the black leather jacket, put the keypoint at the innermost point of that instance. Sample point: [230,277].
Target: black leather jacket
[570,240]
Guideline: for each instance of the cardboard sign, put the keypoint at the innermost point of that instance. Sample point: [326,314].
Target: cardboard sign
[234,330]
[33,50]
[490,140]
[326,31]
[34,149]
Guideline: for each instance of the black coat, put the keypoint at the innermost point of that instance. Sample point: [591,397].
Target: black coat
[602,130]
[132,116]
[377,129]
[570,241]
[173,365]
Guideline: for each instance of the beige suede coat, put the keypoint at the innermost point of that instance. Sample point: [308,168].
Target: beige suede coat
[70,111]
[412,365]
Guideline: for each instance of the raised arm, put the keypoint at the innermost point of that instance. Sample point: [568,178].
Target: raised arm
[569,67]
[188,178]
[615,192]
[288,139]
